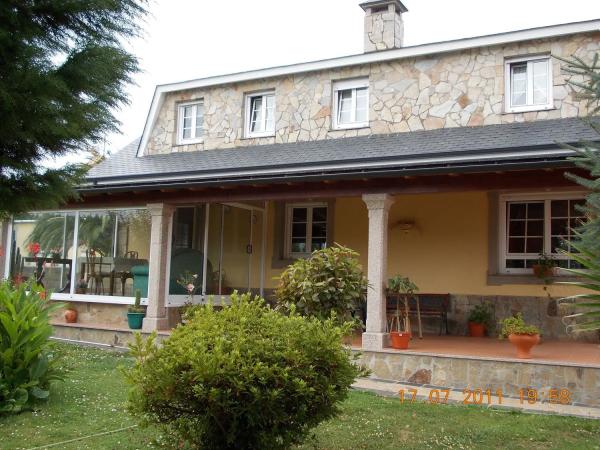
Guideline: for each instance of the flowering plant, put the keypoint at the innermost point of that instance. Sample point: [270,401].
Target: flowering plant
[188,280]
[33,248]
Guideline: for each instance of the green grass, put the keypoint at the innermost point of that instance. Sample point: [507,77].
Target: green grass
[92,400]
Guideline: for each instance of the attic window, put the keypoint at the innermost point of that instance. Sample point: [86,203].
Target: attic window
[351,104]
[528,84]
[260,114]
[190,122]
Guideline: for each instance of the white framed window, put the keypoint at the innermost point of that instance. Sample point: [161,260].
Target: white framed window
[306,229]
[351,104]
[260,114]
[534,224]
[528,84]
[190,120]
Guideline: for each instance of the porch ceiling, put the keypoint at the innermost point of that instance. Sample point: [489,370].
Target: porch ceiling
[465,149]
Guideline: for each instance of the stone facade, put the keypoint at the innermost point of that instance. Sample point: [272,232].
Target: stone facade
[476,373]
[384,27]
[464,88]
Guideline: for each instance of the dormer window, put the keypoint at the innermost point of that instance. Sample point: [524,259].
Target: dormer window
[528,84]
[190,122]
[351,104]
[260,114]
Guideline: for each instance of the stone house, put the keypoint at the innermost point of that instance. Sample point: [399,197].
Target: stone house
[438,161]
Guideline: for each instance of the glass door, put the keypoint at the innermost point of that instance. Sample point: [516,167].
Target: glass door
[230,249]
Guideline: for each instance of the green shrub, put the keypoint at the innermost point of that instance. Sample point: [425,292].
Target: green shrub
[331,280]
[243,377]
[516,325]
[26,364]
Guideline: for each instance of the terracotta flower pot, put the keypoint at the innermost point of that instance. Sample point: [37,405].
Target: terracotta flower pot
[476,329]
[524,343]
[541,271]
[400,340]
[71,315]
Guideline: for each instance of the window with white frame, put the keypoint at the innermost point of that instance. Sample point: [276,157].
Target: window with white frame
[306,229]
[528,84]
[532,225]
[260,114]
[190,122]
[351,104]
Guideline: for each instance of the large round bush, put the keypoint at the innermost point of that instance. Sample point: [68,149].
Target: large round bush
[242,377]
[331,280]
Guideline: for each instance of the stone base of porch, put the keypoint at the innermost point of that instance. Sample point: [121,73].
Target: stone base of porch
[483,370]
[97,334]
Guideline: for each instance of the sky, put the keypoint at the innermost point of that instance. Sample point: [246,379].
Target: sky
[190,39]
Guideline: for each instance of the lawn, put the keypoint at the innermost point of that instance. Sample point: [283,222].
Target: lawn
[92,400]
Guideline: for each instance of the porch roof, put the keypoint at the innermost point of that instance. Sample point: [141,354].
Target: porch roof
[516,145]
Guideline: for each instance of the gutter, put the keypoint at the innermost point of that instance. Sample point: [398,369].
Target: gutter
[549,161]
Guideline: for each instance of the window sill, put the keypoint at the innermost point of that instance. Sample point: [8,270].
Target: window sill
[532,108]
[500,279]
[255,136]
[191,142]
[95,298]
[357,126]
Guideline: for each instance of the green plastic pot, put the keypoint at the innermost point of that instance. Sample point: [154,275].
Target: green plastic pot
[135,320]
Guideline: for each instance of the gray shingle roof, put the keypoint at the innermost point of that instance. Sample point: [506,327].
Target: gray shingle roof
[395,150]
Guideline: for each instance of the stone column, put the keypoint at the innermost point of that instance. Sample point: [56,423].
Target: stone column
[156,313]
[376,337]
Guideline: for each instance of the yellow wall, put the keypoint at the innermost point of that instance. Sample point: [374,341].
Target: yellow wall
[447,251]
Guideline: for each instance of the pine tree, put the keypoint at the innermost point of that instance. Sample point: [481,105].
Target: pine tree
[585,244]
[63,73]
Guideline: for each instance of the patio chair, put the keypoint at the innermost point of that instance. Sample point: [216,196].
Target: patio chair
[94,271]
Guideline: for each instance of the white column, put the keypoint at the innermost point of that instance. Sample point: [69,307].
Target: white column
[156,313]
[376,336]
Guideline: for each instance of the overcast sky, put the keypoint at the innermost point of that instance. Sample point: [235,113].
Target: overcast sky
[188,39]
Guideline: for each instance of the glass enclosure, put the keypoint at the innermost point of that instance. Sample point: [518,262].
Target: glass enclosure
[111,256]
[227,238]
[42,248]
[106,253]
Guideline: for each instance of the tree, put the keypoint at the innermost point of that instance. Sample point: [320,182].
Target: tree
[586,241]
[63,73]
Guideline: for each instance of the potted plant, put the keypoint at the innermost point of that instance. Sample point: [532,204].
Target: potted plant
[521,335]
[136,312]
[479,319]
[403,289]
[545,267]
[70,314]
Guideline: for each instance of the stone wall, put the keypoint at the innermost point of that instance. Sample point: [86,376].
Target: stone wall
[454,89]
[542,312]
[97,313]
[479,373]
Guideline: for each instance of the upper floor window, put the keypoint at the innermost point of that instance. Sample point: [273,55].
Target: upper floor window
[260,114]
[306,229]
[538,224]
[190,122]
[528,84]
[351,104]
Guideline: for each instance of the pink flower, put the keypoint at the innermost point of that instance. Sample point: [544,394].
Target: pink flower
[190,287]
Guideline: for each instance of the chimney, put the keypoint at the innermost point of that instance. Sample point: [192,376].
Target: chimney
[384,28]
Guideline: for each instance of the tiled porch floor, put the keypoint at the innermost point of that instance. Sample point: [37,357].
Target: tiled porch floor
[571,352]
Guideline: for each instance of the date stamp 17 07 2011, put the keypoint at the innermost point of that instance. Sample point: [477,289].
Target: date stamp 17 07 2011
[490,397]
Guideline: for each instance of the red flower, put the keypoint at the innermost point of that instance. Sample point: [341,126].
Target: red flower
[34,248]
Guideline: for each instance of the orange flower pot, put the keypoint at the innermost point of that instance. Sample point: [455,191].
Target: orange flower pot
[524,343]
[476,329]
[71,315]
[400,340]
